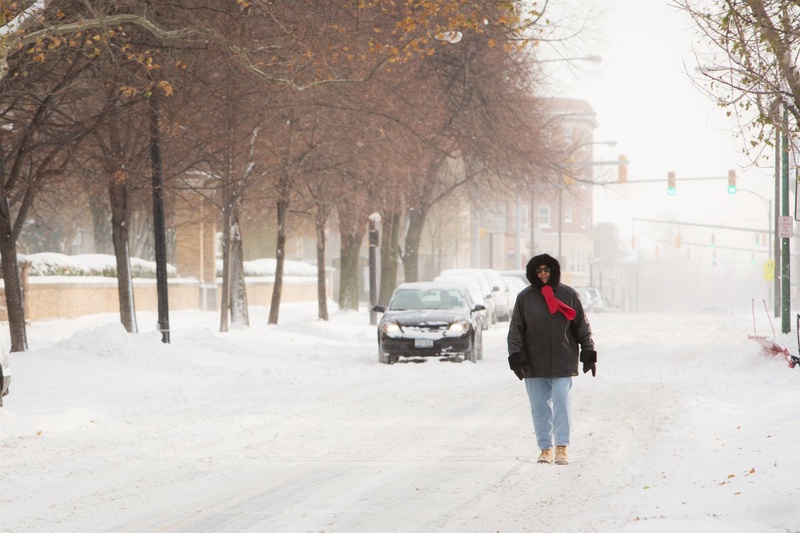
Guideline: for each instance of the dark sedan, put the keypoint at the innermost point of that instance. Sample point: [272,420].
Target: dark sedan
[429,319]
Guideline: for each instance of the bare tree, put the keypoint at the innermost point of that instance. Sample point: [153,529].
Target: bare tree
[748,62]
[35,146]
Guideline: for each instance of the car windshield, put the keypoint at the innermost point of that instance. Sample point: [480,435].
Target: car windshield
[419,299]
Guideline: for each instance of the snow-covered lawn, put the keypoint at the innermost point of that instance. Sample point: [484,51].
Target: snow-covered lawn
[296,427]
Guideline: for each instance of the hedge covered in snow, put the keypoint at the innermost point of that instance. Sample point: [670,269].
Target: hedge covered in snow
[55,264]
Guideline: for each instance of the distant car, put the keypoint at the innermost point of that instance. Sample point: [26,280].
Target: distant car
[486,286]
[513,285]
[5,374]
[596,303]
[429,319]
[475,291]
[521,274]
[502,307]
[586,298]
[717,309]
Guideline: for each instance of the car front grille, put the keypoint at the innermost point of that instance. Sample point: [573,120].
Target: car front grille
[425,329]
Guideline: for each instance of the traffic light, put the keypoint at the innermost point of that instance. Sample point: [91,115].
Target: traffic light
[731,182]
[671,183]
[622,169]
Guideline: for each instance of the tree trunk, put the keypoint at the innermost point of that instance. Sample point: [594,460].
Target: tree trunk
[390,255]
[416,222]
[280,249]
[225,290]
[348,286]
[239,312]
[322,291]
[11,280]
[352,227]
[101,230]
[118,198]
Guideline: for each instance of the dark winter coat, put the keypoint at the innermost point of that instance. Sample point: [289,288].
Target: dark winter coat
[548,344]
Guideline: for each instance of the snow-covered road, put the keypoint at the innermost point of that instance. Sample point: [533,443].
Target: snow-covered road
[298,428]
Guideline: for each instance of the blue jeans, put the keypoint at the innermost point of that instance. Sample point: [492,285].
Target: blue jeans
[551,410]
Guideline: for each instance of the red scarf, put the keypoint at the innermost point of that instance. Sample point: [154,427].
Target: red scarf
[554,304]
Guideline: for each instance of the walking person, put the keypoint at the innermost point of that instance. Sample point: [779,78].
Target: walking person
[548,328]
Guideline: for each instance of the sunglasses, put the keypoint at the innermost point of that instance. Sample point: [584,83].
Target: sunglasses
[541,270]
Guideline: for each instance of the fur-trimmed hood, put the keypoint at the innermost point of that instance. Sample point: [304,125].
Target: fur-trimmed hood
[548,261]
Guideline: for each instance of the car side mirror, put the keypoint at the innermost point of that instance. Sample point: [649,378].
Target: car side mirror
[479,307]
[379,309]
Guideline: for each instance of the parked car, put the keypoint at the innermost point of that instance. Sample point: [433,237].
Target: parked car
[514,286]
[521,274]
[502,308]
[586,298]
[597,303]
[475,291]
[427,319]
[481,278]
[5,374]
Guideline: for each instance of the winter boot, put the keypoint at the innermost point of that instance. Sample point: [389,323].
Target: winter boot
[561,455]
[546,456]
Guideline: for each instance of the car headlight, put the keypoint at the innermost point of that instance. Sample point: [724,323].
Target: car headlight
[458,327]
[390,327]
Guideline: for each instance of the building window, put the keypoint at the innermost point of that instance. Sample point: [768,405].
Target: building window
[544,216]
[568,215]
[578,265]
[585,219]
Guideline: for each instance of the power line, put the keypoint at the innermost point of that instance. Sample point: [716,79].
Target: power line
[700,225]
[718,247]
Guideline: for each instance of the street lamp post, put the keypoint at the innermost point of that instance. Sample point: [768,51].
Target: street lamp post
[590,164]
[374,220]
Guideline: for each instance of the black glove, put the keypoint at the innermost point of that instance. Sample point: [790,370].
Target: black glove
[589,360]
[518,364]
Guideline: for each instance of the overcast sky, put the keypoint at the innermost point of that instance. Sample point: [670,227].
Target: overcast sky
[646,102]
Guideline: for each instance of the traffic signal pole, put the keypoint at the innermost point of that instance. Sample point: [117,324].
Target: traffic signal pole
[785,261]
[776,267]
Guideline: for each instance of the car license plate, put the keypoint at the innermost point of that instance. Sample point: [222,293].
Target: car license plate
[423,343]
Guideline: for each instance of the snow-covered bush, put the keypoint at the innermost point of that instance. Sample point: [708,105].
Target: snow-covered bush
[258,268]
[105,265]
